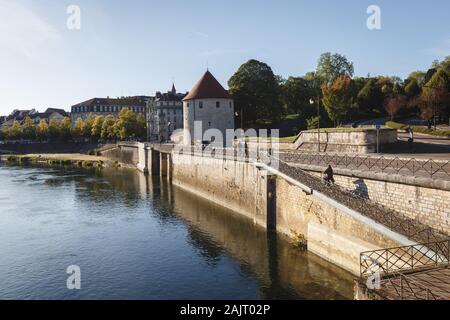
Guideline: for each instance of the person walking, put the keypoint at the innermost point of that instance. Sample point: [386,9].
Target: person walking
[328,175]
[411,137]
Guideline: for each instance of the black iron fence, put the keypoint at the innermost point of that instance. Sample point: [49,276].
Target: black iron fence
[404,288]
[401,259]
[393,165]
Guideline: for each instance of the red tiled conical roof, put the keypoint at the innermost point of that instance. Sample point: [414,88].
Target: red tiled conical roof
[207,87]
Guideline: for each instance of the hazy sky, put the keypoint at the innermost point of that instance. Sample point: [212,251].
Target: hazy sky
[137,47]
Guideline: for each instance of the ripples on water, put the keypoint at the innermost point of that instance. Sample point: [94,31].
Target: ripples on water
[140,238]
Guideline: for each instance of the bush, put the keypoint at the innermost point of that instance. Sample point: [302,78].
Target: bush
[396,125]
[312,123]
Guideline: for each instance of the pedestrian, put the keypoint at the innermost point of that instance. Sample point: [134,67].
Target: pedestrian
[328,175]
[246,149]
[411,136]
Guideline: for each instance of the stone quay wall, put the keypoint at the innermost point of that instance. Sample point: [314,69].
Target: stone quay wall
[423,199]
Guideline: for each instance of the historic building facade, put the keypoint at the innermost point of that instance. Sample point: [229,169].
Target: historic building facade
[165,115]
[108,106]
[210,105]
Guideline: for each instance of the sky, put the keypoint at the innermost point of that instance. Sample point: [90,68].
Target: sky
[135,47]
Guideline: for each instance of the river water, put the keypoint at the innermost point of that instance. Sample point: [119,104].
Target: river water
[135,237]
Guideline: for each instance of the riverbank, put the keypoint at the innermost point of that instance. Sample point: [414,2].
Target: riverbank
[65,159]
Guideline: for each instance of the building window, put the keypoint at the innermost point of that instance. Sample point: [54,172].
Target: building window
[188,104]
[231,104]
[217,104]
[209,124]
[200,104]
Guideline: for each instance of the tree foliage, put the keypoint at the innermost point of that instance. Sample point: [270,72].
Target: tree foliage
[338,97]
[255,90]
[331,66]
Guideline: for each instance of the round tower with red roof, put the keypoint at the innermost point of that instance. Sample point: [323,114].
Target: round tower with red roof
[209,106]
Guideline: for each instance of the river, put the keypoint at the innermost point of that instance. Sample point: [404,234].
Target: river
[135,237]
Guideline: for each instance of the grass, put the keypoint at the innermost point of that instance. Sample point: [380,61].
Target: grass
[418,129]
[341,130]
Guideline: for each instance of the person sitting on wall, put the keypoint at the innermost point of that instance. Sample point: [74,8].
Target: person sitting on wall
[328,175]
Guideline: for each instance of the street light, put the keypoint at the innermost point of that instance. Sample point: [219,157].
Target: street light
[311,102]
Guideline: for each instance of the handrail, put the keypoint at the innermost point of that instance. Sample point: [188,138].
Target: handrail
[406,258]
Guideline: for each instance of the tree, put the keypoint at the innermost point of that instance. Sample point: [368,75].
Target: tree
[54,130]
[256,92]
[3,132]
[418,76]
[87,126]
[394,104]
[77,130]
[435,98]
[338,97]
[331,66]
[29,129]
[126,124]
[296,94]
[108,128]
[66,128]
[369,98]
[97,127]
[15,132]
[141,126]
[412,88]
[42,130]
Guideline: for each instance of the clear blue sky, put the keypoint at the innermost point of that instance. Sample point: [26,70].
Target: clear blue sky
[137,47]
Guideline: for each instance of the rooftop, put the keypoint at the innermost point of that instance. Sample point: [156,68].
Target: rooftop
[207,87]
[124,101]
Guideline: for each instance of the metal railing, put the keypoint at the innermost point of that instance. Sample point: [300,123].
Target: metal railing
[407,258]
[393,165]
[395,269]
[404,288]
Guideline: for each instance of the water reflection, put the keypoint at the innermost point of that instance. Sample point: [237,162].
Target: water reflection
[175,244]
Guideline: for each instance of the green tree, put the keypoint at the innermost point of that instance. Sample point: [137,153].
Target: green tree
[66,128]
[256,91]
[412,88]
[96,131]
[87,126]
[126,124]
[141,126]
[369,99]
[15,132]
[3,133]
[296,94]
[108,128]
[77,130]
[435,97]
[54,129]
[331,66]
[338,98]
[42,130]
[418,76]
[29,129]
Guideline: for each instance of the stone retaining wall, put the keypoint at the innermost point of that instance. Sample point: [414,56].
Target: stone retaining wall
[414,198]
[357,141]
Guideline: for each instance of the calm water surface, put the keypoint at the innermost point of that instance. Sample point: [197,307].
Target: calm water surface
[139,238]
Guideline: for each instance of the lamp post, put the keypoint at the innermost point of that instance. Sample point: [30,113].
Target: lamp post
[311,101]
